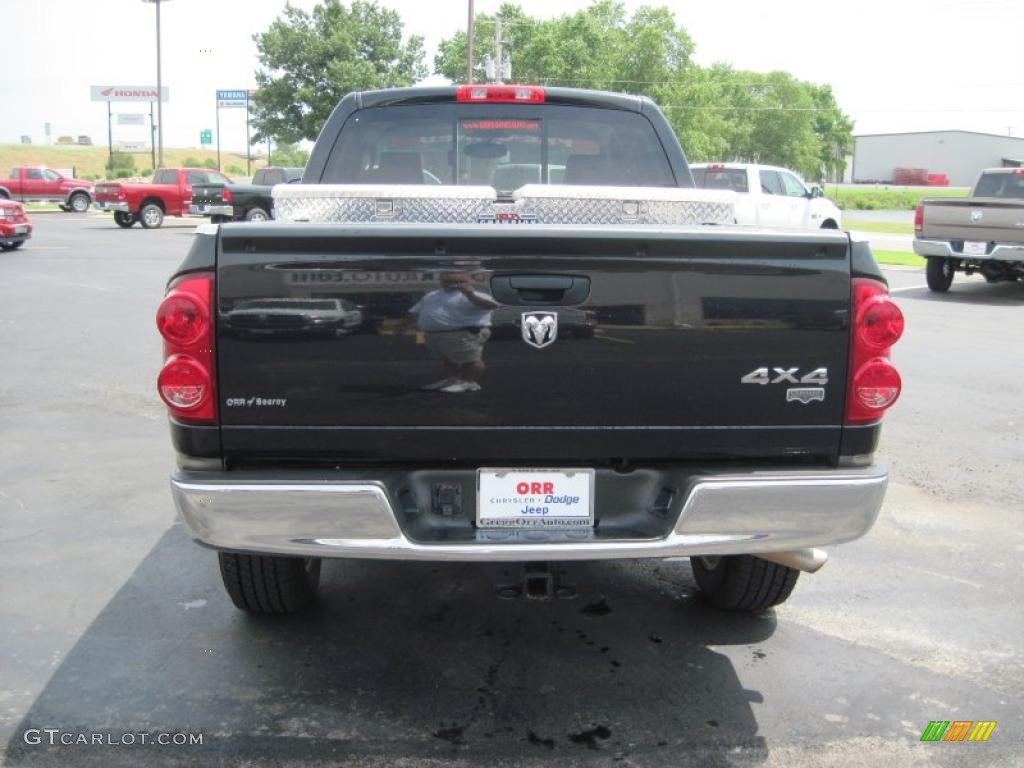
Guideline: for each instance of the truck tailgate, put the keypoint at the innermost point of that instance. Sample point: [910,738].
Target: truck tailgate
[979,219]
[649,359]
[208,194]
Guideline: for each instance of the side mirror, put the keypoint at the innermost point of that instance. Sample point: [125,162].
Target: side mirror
[816,191]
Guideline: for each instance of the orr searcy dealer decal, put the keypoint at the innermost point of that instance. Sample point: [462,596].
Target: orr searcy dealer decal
[256,402]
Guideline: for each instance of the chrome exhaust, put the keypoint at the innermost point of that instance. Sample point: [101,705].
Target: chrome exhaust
[808,560]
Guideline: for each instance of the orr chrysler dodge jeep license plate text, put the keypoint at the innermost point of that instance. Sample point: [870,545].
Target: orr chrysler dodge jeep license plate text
[535,498]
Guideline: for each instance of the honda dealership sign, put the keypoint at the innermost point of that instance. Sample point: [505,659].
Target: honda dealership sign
[128,93]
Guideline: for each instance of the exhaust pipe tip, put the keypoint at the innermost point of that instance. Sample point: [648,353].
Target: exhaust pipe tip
[807,560]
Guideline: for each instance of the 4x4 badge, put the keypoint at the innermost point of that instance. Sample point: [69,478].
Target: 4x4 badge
[540,329]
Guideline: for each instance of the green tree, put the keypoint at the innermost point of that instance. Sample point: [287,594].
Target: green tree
[598,47]
[718,113]
[834,129]
[289,155]
[120,161]
[309,60]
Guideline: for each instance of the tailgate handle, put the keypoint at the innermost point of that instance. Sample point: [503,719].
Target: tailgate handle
[540,289]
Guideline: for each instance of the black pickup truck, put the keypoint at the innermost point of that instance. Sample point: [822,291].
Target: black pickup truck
[724,405]
[241,202]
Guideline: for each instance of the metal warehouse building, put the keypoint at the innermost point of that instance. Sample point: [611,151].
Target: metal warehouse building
[961,155]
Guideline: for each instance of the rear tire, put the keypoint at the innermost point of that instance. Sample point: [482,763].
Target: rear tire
[79,202]
[269,584]
[743,582]
[151,216]
[12,246]
[124,219]
[939,273]
[257,214]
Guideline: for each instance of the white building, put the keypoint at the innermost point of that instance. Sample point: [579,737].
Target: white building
[961,155]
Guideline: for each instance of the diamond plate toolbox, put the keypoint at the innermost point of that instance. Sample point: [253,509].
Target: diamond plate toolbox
[531,204]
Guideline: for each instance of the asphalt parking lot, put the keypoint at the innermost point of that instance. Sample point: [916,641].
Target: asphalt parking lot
[112,621]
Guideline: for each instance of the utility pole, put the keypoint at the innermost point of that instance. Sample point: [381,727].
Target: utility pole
[218,134]
[248,141]
[471,23]
[152,138]
[159,91]
[497,49]
[110,142]
[159,86]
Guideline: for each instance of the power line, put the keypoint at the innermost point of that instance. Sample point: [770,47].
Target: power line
[920,110]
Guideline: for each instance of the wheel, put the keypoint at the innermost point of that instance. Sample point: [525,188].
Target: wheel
[151,215]
[743,582]
[269,584]
[12,246]
[829,224]
[256,214]
[124,219]
[939,273]
[79,202]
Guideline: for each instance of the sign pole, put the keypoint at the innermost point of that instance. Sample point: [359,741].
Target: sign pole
[248,142]
[110,140]
[152,135]
[218,134]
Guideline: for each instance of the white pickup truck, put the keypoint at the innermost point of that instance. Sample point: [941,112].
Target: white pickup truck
[769,196]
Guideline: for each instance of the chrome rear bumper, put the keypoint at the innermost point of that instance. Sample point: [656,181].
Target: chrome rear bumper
[723,514]
[999,252]
[211,210]
[109,206]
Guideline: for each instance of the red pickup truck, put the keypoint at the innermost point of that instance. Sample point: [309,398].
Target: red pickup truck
[169,194]
[26,184]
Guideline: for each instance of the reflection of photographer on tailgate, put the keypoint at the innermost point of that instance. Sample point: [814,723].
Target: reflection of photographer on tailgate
[456,320]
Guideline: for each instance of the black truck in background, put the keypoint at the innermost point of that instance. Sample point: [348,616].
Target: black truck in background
[241,202]
[725,406]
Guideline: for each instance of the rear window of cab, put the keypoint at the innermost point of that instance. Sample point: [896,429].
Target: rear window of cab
[501,146]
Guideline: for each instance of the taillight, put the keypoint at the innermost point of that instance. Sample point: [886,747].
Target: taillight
[226,196]
[184,384]
[181,319]
[919,218]
[527,94]
[873,382]
[879,322]
[187,382]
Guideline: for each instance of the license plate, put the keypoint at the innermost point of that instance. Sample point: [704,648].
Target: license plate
[200,208]
[20,229]
[975,248]
[535,498]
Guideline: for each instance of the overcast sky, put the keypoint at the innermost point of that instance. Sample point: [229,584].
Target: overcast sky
[895,65]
